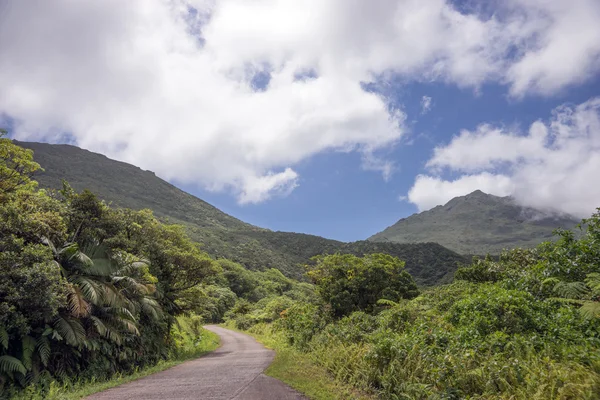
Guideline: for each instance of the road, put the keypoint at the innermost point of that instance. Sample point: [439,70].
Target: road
[232,372]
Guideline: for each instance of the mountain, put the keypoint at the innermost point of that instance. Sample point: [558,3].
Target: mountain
[477,223]
[221,235]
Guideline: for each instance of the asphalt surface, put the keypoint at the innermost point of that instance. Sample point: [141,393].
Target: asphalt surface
[232,372]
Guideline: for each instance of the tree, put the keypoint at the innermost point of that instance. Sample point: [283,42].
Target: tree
[349,283]
[16,166]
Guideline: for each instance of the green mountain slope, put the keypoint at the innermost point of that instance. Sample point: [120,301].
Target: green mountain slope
[221,235]
[477,223]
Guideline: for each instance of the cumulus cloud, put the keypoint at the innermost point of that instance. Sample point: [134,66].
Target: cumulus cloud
[430,191]
[232,94]
[425,104]
[553,166]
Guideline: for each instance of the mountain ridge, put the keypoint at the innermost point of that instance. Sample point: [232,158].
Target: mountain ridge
[221,235]
[477,223]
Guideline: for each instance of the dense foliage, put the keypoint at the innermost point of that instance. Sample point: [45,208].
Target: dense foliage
[349,283]
[522,326]
[86,290]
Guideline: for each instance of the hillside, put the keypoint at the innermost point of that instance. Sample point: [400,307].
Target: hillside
[222,235]
[477,223]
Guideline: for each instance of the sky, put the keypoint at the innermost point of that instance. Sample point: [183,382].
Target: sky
[329,117]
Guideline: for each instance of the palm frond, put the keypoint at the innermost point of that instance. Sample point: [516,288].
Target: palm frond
[28,347]
[123,312]
[77,304]
[90,288]
[134,267]
[130,284]
[43,348]
[100,263]
[106,330]
[68,251]
[151,307]
[3,337]
[10,364]
[111,296]
[70,329]
[129,326]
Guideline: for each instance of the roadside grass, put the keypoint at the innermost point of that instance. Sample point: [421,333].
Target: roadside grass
[298,371]
[80,389]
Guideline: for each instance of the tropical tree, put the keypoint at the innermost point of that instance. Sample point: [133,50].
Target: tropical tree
[349,283]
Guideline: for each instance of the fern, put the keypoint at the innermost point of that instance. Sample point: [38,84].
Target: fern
[28,347]
[593,281]
[71,330]
[3,338]
[571,290]
[10,364]
[386,302]
[590,309]
[43,348]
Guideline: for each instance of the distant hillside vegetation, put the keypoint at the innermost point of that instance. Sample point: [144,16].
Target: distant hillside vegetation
[478,223]
[222,235]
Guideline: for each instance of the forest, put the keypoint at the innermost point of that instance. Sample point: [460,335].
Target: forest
[88,291]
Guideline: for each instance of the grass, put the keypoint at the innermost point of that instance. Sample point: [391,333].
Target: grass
[80,390]
[298,371]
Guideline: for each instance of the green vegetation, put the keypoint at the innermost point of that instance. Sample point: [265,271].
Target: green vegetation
[221,235]
[93,296]
[88,291]
[349,283]
[478,223]
[521,326]
[197,344]
[300,372]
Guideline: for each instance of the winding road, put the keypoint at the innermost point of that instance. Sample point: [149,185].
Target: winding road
[232,372]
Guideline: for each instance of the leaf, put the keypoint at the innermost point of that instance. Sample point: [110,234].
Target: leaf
[151,307]
[590,309]
[90,288]
[593,281]
[99,325]
[11,364]
[71,330]
[386,302]
[77,304]
[28,347]
[571,290]
[3,337]
[43,348]
[111,296]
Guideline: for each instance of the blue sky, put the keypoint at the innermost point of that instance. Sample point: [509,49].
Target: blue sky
[308,116]
[348,203]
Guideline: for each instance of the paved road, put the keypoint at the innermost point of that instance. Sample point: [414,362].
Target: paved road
[232,372]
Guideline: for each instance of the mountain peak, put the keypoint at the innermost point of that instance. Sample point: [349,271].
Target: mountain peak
[479,194]
[477,223]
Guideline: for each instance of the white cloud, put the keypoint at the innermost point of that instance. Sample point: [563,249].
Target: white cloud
[425,104]
[564,51]
[135,81]
[554,166]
